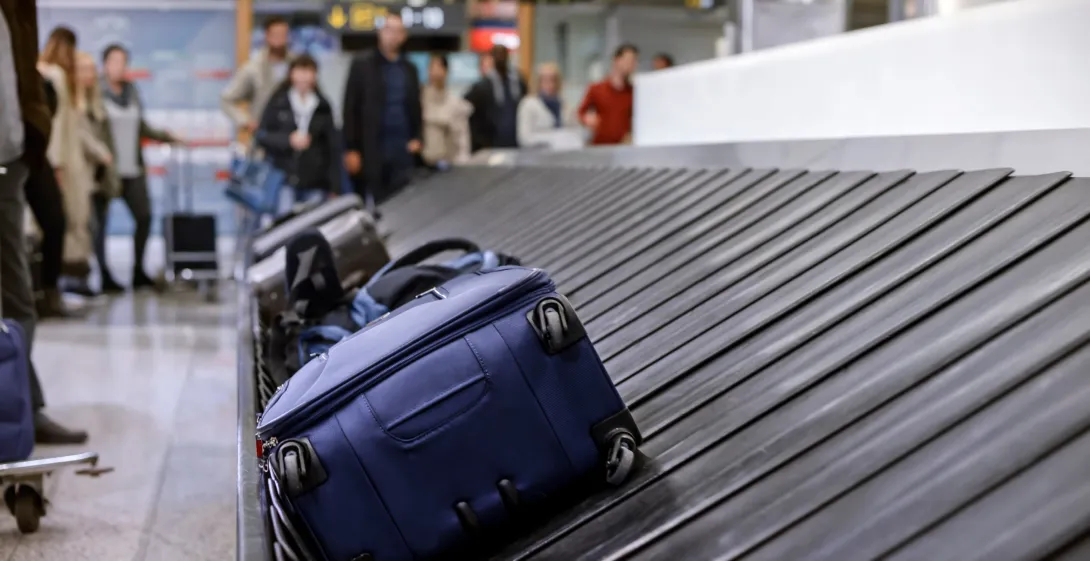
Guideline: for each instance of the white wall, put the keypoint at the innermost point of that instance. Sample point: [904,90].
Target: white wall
[781,23]
[1020,65]
[687,35]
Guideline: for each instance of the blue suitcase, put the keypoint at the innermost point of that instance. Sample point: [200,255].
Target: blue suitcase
[16,414]
[443,421]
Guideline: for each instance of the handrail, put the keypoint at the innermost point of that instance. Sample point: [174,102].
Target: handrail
[252,537]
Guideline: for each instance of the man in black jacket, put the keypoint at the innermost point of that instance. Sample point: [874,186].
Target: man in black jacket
[495,99]
[382,115]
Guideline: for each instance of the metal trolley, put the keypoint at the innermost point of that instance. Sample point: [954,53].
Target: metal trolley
[189,237]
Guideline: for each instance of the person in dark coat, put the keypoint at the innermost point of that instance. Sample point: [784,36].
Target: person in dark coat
[46,202]
[25,127]
[298,133]
[382,116]
[495,99]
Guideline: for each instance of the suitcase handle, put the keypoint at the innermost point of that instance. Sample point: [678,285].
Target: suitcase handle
[426,251]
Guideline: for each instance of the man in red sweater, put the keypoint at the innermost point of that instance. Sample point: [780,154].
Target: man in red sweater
[607,107]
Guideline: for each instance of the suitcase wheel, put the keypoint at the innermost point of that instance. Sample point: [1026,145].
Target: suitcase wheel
[621,459]
[555,323]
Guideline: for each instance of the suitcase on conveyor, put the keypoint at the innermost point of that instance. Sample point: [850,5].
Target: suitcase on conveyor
[278,235]
[440,427]
[358,253]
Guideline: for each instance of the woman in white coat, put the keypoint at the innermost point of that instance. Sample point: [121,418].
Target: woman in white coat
[72,150]
[543,113]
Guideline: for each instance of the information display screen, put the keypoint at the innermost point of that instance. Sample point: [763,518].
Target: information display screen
[421,18]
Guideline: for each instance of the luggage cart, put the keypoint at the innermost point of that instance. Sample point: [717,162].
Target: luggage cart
[189,237]
[23,484]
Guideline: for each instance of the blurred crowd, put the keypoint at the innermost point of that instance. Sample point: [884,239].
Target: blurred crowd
[393,125]
[72,129]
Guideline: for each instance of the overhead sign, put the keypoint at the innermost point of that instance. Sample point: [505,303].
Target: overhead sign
[421,18]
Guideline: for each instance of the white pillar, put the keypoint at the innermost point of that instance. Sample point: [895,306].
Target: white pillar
[743,13]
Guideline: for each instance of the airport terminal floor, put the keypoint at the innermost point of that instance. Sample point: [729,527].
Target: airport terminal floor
[152,379]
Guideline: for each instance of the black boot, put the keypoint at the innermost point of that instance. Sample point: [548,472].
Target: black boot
[48,431]
[110,284]
[140,279]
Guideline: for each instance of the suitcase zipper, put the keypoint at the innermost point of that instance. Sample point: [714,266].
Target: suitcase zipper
[347,390]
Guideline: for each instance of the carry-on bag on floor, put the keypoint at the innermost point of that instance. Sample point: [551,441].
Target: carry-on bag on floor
[320,314]
[433,429]
[357,251]
[279,235]
[190,237]
[16,416]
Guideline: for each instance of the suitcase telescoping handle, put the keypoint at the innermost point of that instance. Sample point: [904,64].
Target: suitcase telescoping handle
[428,250]
[182,181]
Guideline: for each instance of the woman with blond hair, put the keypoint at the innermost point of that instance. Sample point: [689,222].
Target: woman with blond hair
[69,144]
[541,114]
[98,142]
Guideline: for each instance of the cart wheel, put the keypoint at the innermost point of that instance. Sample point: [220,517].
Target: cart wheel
[28,510]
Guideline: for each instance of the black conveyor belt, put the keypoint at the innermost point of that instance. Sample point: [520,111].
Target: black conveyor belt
[827,365]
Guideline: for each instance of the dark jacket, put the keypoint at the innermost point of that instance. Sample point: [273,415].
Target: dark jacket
[317,167]
[364,102]
[22,19]
[482,123]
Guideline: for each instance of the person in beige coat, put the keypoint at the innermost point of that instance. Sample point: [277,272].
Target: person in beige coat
[107,184]
[72,151]
[256,81]
[446,119]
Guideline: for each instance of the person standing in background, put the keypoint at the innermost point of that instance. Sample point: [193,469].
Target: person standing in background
[43,196]
[98,145]
[68,152]
[495,99]
[485,64]
[544,112]
[662,61]
[382,116]
[299,134]
[256,81]
[446,119]
[607,108]
[128,129]
[25,127]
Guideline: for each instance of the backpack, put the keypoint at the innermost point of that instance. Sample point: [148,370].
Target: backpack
[315,320]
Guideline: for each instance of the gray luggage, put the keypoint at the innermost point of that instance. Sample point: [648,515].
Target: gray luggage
[279,235]
[357,250]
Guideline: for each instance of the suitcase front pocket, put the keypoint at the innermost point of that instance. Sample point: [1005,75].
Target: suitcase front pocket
[431,392]
[468,444]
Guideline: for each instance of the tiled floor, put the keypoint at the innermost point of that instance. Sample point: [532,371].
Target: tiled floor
[153,380]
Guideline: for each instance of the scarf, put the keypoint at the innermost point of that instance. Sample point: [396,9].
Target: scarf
[303,108]
[552,103]
[122,99]
[512,81]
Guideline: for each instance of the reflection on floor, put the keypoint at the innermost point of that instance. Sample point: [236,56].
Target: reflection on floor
[153,380]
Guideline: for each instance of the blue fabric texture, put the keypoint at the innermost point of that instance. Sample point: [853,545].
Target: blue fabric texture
[395,119]
[396,416]
[16,411]
[255,185]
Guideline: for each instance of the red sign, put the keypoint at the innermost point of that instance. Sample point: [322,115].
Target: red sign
[482,39]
